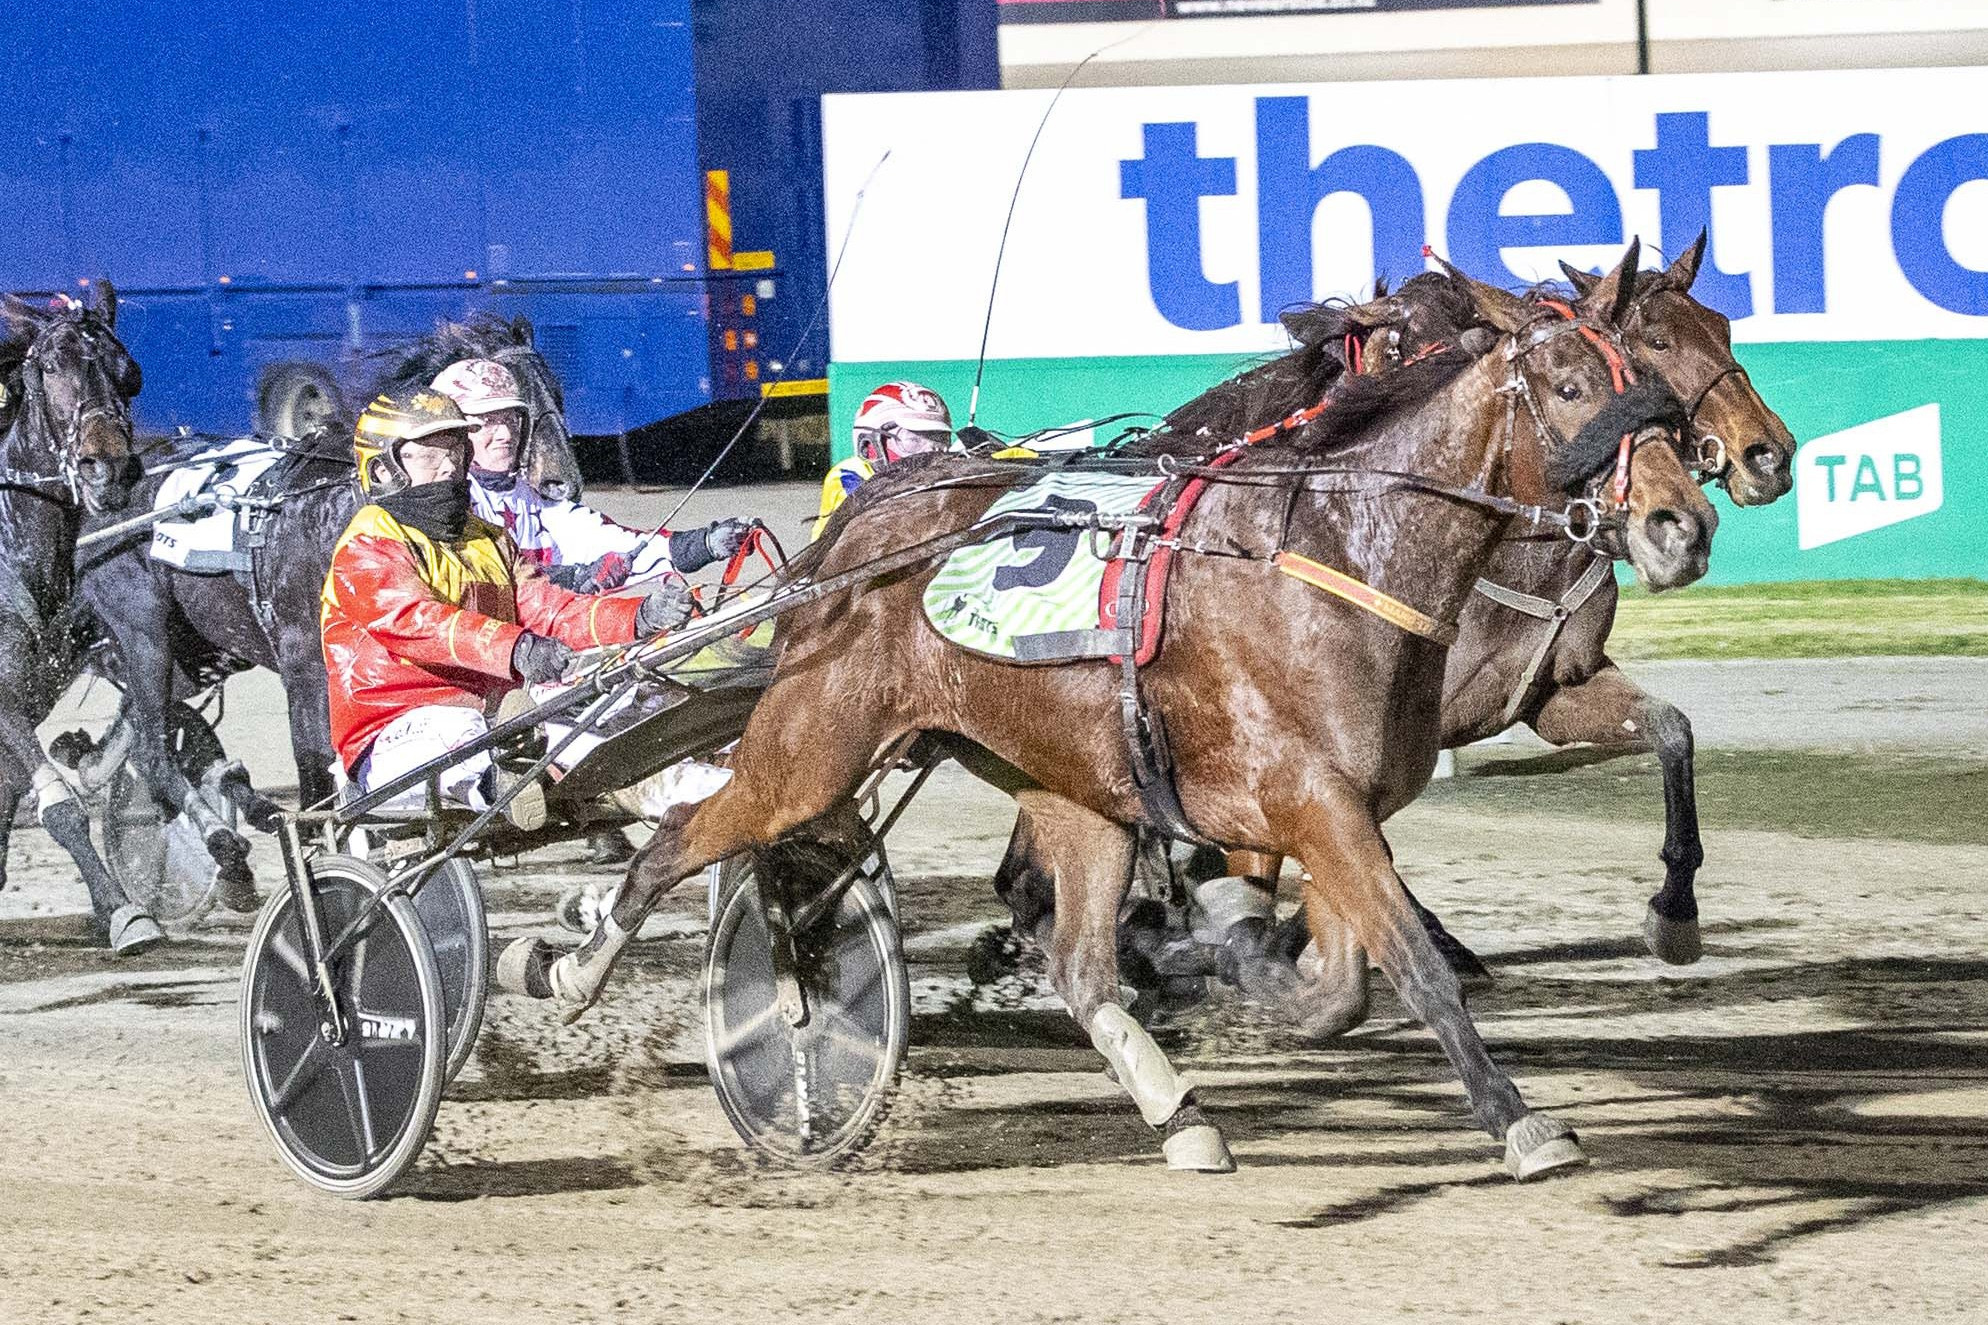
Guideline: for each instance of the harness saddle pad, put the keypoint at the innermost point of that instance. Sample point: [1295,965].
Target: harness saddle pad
[208,545]
[1035,596]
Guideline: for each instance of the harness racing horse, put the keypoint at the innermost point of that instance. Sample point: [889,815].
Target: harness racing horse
[170,623]
[66,384]
[1297,726]
[1532,640]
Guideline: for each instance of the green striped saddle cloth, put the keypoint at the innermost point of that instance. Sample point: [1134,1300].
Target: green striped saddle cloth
[1033,597]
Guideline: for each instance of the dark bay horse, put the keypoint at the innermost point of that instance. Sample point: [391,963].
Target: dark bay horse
[1517,657]
[66,384]
[1297,721]
[170,624]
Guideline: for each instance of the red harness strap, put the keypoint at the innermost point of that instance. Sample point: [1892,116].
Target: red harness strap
[1622,377]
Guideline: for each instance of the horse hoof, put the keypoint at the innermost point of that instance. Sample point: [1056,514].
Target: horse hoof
[522,967]
[1538,1144]
[1674,941]
[610,846]
[1198,1149]
[132,931]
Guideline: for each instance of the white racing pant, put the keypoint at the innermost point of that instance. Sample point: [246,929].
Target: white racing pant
[422,734]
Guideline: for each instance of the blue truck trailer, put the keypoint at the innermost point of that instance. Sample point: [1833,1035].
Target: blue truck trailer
[278,188]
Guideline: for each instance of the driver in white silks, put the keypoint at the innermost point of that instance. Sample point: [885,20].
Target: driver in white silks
[580,548]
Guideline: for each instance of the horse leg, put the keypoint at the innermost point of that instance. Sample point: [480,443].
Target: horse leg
[13,784]
[129,929]
[1353,876]
[1090,858]
[1610,709]
[785,775]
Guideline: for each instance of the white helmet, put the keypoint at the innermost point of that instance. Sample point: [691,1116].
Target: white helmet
[479,386]
[900,419]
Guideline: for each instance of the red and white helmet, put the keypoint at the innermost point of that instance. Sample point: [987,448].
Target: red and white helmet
[900,419]
[479,386]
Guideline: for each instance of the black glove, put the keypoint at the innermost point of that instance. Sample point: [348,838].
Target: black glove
[665,607]
[538,659]
[694,549]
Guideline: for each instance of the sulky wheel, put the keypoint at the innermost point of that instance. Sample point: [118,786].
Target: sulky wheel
[450,904]
[348,1119]
[160,861]
[814,1094]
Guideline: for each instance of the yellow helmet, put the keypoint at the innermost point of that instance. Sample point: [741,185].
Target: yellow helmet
[391,420]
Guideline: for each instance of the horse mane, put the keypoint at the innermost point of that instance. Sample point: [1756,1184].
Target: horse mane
[414,364]
[1316,369]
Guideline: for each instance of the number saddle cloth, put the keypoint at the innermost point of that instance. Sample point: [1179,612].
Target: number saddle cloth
[1054,595]
[221,539]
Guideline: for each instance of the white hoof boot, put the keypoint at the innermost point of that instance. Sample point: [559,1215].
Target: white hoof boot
[1220,904]
[1198,1148]
[1674,941]
[132,930]
[1538,1144]
[521,968]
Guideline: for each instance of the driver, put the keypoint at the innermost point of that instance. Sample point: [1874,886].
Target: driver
[430,615]
[896,420]
[580,548]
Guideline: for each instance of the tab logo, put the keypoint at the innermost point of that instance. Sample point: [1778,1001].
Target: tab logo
[1879,473]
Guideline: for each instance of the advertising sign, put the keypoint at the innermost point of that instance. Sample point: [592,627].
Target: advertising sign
[1120,11]
[1159,232]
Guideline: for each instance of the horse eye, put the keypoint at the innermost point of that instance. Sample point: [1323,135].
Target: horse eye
[1659,344]
[1570,392]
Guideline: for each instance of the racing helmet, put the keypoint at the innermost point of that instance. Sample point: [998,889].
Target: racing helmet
[900,419]
[392,420]
[479,386]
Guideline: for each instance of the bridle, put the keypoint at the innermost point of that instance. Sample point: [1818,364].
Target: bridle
[1709,459]
[61,437]
[1623,423]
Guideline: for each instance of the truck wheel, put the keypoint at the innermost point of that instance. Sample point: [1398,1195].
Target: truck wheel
[297,399]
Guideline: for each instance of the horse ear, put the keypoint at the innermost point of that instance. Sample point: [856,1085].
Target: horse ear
[1608,299]
[1498,308]
[1681,273]
[103,299]
[18,317]
[521,328]
[1582,281]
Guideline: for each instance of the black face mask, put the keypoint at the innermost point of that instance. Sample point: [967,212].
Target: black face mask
[439,510]
[491,480]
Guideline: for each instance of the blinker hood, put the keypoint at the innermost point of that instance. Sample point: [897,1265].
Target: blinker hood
[1646,403]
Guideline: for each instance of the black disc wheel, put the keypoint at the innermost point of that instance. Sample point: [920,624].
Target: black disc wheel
[157,858]
[347,1118]
[450,905]
[811,1094]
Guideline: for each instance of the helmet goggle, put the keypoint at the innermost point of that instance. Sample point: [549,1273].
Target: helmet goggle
[889,442]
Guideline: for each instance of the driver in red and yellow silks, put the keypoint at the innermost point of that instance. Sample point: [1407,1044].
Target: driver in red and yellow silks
[896,420]
[429,615]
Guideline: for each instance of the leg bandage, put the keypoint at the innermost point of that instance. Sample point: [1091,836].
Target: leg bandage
[1140,1064]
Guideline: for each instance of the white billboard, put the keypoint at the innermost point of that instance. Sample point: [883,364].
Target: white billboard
[1159,221]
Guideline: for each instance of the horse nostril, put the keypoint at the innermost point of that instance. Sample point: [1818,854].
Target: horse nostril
[1764,459]
[1672,530]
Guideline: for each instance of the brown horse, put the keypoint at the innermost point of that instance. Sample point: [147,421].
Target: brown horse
[1531,643]
[1297,721]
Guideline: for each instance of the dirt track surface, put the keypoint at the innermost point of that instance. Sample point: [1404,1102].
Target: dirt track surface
[1794,1128]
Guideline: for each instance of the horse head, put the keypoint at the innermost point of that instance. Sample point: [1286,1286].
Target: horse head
[548,461]
[68,385]
[1740,441]
[1580,421]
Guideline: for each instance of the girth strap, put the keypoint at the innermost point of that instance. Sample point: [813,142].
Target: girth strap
[1145,730]
[1554,614]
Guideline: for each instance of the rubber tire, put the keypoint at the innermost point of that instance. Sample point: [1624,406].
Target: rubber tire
[138,851]
[450,905]
[738,984]
[400,968]
[296,399]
